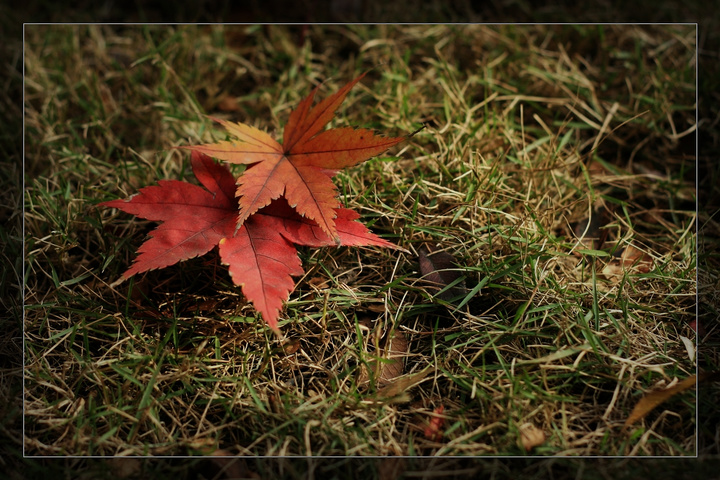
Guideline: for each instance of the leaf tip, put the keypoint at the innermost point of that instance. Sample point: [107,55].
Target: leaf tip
[272,322]
[276,330]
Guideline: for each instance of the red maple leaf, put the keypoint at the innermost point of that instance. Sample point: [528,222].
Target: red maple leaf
[301,168]
[260,255]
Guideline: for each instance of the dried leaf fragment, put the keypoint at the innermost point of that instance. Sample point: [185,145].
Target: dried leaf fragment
[531,436]
[319,283]
[402,384]
[433,431]
[632,260]
[689,346]
[291,346]
[637,260]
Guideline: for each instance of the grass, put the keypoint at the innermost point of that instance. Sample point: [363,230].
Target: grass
[528,130]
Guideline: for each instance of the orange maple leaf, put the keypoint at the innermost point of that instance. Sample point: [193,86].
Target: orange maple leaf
[300,168]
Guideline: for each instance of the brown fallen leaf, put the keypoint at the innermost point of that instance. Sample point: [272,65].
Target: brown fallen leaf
[531,436]
[439,270]
[319,283]
[291,346]
[652,399]
[613,271]
[401,385]
[636,260]
[632,260]
[390,365]
[590,231]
